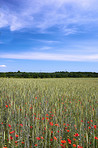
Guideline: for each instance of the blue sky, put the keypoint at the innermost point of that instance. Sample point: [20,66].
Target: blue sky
[48,35]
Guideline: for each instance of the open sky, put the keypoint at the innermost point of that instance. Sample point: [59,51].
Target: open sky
[48,35]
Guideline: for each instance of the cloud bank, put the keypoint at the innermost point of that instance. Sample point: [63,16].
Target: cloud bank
[51,56]
[44,14]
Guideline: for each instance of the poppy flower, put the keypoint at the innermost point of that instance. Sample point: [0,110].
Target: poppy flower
[76,135]
[51,139]
[38,138]
[51,123]
[22,142]
[55,138]
[21,125]
[43,118]
[69,141]
[12,132]
[57,125]
[42,138]
[96,138]
[17,135]
[95,126]
[35,144]
[6,106]
[9,125]
[11,137]
[63,141]
[74,145]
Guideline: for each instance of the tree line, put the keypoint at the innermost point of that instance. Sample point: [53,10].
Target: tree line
[60,74]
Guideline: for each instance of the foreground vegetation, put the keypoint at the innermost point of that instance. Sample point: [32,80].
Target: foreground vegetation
[48,113]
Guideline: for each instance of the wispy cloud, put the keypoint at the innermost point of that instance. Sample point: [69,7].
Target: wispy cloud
[46,48]
[3,66]
[45,14]
[51,56]
[46,41]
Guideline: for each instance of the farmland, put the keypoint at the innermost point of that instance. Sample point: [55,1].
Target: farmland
[49,113]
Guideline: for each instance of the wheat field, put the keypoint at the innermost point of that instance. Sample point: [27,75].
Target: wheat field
[49,113]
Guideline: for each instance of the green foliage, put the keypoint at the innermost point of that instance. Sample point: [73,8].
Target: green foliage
[48,75]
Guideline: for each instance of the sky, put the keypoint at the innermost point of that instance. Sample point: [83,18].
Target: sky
[48,35]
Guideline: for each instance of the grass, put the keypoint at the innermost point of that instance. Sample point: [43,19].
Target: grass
[49,113]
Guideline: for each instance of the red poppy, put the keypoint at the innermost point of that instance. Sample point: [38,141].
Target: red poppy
[76,134]
[11,137]
[12,132]
[22,142]
[43,118]
[57,125]
[35,144]
[16,141]
[63,141]
[95,126]
[68,131]
[55,138]
[17,135]
[74,145]
[51,123]
[6,106]
[38,138]
[69,141]
[42,138]
[96,138]
[9,125]
[21,125]
[51,139]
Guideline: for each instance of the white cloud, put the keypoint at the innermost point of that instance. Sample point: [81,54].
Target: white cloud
[44,14]
[51,56]
[2,66]
[46,41]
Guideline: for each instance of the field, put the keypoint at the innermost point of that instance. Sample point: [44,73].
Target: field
[49,113]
